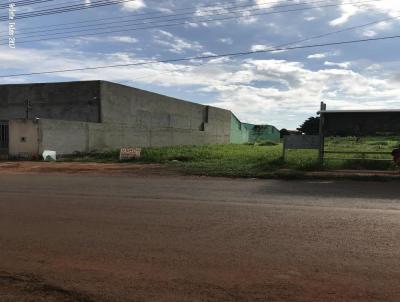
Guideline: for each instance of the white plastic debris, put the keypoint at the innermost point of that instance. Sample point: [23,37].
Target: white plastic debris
[49,155]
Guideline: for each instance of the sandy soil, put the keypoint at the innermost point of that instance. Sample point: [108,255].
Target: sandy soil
[141,236]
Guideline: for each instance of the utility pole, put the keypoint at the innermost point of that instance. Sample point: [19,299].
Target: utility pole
[321,134]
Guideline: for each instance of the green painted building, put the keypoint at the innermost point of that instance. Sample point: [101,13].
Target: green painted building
[248,133]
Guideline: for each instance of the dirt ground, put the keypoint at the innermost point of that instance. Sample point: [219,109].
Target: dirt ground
[95,232]
[19,167]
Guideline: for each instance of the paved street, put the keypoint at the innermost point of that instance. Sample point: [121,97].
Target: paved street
[176,238]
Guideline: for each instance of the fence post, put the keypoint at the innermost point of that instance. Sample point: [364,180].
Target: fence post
[284,148]
[321,135]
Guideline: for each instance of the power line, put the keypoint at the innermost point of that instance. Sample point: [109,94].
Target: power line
[213,12]
[175,9]
[206,57]
[307,39]
[333,32]
[343,30]
[74,8]
[18,1]
[187,21]
[22,3]
[144,14]
[65,9]
[68,8]
[55,4]
[60,8]
[321,35]
[211,9]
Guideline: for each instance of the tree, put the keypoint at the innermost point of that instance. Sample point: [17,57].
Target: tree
[284,132]
[310,126]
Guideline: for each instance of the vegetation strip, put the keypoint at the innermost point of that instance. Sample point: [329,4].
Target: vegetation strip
[263,159]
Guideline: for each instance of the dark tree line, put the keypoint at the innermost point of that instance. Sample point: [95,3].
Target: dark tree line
[309,127]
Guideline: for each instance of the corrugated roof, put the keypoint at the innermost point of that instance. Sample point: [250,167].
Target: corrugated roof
[360,111]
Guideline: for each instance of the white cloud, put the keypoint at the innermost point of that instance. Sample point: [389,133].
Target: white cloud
[204,11]
[263,47]
[310,18]
[374,67]
[323,55]
[389,7]
[344,65]
[228,41]
[379,27]
[317,56]
[124,39]
[246,18]
[383,25]
[269,4]
[260,47]
[133,5]
[347,11]
[369,33]
[174,43]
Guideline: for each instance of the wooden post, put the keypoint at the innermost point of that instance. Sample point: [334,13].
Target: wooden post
[321,135]
[284,148]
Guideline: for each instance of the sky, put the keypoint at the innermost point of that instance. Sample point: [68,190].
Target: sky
[282,88]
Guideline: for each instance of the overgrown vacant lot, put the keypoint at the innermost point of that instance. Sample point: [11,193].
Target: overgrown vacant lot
[262,159]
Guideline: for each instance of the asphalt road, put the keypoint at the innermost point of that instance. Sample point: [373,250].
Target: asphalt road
[174,238]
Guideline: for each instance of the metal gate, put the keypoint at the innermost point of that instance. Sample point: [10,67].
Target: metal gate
[4,137]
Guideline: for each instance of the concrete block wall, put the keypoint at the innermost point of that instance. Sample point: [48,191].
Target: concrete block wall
[127,105]
[239,133]
[131,106]
[67,137]
[72,101]
[219,123]
[24,138]
[99,116]
[262,133]
[105,137]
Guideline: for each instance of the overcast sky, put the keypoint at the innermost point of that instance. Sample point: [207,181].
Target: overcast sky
[279,88]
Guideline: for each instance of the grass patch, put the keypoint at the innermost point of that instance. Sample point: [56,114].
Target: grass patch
[363,161]
[221,160]
[263,159]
